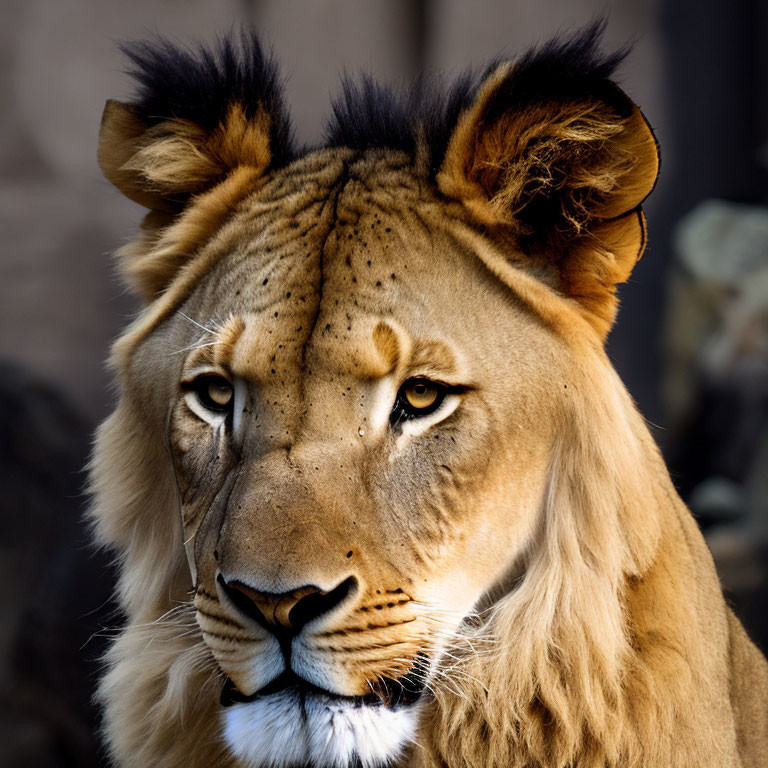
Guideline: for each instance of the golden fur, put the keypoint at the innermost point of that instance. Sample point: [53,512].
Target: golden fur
[530,545]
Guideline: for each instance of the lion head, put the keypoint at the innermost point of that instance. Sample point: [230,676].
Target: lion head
[377,493]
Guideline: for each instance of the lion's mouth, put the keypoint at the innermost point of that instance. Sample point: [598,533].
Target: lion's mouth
[388,692]
[303,725]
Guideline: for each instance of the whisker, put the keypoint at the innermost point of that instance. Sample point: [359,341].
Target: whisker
[195,346]
[194,322]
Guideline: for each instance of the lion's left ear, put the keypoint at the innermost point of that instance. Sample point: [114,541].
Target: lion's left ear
[553,152]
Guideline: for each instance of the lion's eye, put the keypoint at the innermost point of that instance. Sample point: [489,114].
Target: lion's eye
[420,393]
[417,397]
[213,392]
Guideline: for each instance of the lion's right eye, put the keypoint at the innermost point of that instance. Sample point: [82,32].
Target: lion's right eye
[213,392]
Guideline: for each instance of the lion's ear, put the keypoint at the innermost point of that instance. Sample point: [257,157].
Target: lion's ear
[162,166]
[553,152]
[201,118]
[120,138]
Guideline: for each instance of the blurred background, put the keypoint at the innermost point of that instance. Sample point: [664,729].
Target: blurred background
[691,342]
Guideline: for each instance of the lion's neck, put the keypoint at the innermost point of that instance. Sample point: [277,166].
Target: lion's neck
[597,652]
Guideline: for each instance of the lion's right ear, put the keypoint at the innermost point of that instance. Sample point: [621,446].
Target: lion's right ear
[201,119]
[197,116]
[119,142]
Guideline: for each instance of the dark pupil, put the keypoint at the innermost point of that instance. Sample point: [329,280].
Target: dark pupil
[420,389]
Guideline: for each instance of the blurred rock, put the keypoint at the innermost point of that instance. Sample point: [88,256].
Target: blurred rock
[723,243]
[716,386]
[717,303]
[55,591]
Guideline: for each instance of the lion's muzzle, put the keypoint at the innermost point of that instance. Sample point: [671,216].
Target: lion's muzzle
[280,722]
[285,614]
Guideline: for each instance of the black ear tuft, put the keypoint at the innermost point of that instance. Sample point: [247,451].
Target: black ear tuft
[200,83]
[564,69]
[367,115]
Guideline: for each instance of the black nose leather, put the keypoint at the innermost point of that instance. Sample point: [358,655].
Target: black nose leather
[285,612]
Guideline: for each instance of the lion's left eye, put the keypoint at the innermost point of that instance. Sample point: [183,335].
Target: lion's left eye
[213,392]
[417,397]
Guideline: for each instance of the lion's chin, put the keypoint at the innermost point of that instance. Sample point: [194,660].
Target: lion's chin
[290,728]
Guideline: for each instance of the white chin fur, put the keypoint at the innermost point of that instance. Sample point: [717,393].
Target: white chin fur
[273,732]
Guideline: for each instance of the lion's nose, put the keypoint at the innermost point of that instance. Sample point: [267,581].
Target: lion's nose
[285,611]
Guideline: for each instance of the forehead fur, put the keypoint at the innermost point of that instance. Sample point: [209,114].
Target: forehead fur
[201,84]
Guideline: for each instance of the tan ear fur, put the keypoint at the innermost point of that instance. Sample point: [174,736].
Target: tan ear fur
[119,138]
[596,264]
[555,174]
[162,165]
[189,178]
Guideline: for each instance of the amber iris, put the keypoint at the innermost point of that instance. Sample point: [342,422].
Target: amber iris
[219,391]
[420,393]
[213,392]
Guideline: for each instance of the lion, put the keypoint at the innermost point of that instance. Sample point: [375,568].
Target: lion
[377,495]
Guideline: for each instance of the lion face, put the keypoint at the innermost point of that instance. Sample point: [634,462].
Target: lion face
[356,409]
[329,432]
